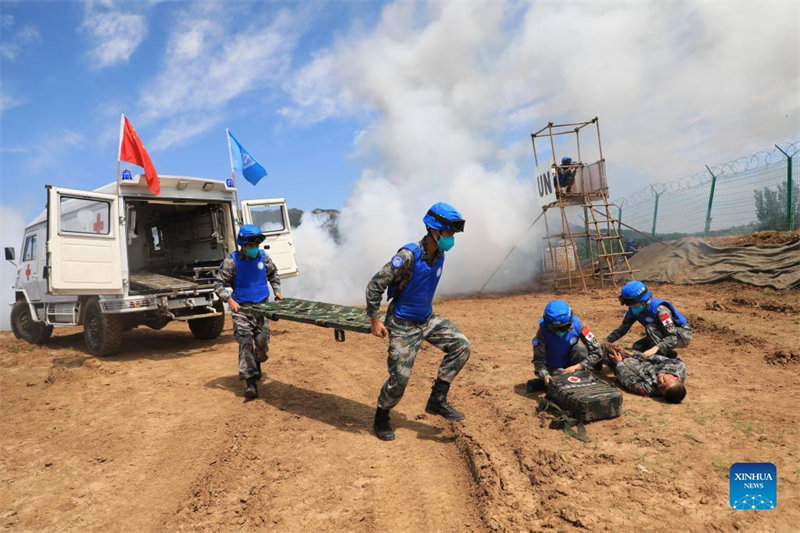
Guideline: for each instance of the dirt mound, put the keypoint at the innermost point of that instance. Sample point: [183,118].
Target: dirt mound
[758,238]
[783,357]
[722,331]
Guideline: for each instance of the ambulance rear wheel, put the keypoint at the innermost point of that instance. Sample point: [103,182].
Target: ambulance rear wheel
[209,327]
[102,332]
[25,328]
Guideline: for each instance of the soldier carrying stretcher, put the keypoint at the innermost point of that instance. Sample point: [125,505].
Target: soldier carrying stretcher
[411,277]
[243,279]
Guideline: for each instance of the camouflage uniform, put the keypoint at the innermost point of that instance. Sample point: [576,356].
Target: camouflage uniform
[638,374]
[247,329]
[663,333]
[587,356]
[405,337]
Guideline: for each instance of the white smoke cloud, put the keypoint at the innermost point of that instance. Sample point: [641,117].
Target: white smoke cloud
[451,91]
[430,140]
[11,235]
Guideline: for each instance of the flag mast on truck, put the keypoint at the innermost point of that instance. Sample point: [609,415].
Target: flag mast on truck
[131,150]
[233,177]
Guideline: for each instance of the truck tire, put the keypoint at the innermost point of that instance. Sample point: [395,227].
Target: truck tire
[208,328]
[25,328]
[102,332]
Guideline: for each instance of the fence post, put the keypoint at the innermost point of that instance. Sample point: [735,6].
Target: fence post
[710,202]
[789,210]
[655,212]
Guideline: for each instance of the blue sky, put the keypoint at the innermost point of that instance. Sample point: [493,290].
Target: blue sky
[384,108]
[183,71]
[62,99]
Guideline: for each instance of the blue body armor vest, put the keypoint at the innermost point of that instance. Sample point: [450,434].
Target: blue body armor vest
[250,284]
[650,315]
[413,303]
[558,348]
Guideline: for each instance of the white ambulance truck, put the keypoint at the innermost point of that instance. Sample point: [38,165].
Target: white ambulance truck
[111,262]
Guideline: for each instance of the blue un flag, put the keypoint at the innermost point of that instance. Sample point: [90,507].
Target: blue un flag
[244,163]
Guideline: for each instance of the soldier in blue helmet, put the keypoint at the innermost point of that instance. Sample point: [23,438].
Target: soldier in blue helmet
[411,277]
[566,174]
[556,348]
[244,279]
[665,327]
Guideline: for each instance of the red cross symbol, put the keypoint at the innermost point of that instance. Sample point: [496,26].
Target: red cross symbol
[28,272]
[98,224]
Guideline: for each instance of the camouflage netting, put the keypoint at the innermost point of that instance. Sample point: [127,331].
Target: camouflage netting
[692,260]
[335,316]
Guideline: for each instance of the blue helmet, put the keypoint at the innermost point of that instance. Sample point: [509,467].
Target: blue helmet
[634,292]
[557,313]
[445,217]
[566,160]
[250,234]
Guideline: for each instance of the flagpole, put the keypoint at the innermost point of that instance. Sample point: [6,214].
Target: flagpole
[119,150]
[233,177]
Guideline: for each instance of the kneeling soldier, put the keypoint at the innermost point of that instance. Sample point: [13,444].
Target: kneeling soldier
[556,348]
[241,281]
[665,327]
[411,277]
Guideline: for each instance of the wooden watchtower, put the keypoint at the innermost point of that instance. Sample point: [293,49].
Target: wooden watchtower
[577,257]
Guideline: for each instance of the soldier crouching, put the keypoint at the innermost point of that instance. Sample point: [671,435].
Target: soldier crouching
[556,348]
[243,279]
[665,327]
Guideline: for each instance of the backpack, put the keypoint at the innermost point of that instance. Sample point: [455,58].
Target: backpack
[580,397]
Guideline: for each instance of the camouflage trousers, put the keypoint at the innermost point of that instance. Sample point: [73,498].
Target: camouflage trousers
[656,335]
[405,339]
[252,334]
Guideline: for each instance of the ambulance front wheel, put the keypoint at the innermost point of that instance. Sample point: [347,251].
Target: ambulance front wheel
[25,328]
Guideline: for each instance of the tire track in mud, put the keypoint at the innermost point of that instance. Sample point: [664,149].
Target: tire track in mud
[515,487]
[302,458]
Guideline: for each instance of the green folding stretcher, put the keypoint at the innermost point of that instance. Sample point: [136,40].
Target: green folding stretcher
[338,317]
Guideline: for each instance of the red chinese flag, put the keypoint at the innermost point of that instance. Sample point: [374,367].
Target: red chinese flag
[132,150]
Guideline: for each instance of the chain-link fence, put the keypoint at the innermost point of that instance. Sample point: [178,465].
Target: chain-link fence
[752,193]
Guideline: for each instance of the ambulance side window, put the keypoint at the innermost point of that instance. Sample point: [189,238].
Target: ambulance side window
[270,218]
[29,254]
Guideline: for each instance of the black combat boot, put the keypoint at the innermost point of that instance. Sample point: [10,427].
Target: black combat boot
[251,391]
[383,430]
[534,385]
[258,369]
[437,403]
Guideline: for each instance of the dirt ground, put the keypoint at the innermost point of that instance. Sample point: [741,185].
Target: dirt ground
[159,438]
